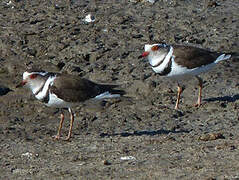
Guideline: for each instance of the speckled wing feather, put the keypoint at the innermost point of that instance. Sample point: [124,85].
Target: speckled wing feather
[192,57]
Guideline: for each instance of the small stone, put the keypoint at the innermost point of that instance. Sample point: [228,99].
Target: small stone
[89,18]
[212,4]
[107,162]
[127,158]
[211,136]
[27,155]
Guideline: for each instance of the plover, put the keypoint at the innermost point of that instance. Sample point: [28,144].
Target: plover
[65,91]
[181,62]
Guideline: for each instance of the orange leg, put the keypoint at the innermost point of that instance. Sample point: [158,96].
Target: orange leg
[60,126]
[180,90]
[200,84]
[71,124]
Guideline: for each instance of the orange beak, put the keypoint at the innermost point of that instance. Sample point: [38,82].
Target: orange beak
[146,53]
[21,84]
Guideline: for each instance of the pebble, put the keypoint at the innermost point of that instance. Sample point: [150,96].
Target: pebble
[107,162]
[211,136]
[126,158]
[89,18]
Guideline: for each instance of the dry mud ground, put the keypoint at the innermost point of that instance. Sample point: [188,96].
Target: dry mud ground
[159,142]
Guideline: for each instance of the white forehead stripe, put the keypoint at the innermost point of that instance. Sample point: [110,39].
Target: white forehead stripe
[26,74]
[147,47]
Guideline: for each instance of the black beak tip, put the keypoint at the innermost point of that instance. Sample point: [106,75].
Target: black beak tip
[19,85]
[140,57]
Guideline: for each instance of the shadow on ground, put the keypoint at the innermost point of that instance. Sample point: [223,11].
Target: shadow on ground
[224,98]
[141,133]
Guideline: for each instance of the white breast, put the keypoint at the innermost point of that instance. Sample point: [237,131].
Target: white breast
[166,60]
[44,92]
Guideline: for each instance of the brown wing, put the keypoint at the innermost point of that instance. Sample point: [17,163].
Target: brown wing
[74,89]
[192,57]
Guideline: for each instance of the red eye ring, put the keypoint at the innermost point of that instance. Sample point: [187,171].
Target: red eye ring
[155,48]
[33,76]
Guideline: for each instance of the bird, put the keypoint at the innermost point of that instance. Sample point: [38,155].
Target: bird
[181,62]
[65,91]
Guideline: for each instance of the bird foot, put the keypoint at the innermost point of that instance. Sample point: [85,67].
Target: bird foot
[66,139]
[56,137]
[197,104]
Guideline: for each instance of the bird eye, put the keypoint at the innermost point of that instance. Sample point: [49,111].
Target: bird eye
[33,76]
[155,48]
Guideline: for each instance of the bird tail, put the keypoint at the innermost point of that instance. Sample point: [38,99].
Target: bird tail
[109,91]
[107,95]
[223,57]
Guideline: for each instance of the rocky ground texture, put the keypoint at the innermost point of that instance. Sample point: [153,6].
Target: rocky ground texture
[138,137]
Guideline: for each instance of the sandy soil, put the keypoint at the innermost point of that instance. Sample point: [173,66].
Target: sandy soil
[141,137]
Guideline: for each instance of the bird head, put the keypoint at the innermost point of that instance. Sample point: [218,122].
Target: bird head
[155,53]
[33,80]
